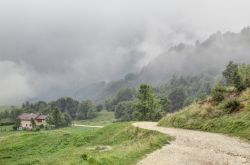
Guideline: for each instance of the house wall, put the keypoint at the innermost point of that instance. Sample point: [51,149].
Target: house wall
[40,123]
[26,124]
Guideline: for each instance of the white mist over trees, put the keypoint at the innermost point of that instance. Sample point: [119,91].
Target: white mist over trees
[52,48]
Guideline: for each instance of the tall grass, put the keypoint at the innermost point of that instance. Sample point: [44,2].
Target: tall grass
[215,118]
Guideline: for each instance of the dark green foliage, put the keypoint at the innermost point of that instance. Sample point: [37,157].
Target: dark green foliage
[231,105]
[109,105]
[124,111]
[17,123]
[10,114]
[177,98]
[230,73]
[147,105]
[122,95]
[87,110]
[189,88]
[40,106]
[244,71]
[58,119]
[66,104]
[99,107]
[218,93]
[33,123]
[166,104]
[238,83]
[66,118]
[236,75]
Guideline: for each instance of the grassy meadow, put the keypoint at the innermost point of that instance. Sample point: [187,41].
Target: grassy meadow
[214,118]
[102,118]
[115,144]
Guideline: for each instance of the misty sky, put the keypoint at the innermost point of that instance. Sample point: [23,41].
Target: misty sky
[53,47]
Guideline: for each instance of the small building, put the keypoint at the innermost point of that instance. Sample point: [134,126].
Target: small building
[26,120]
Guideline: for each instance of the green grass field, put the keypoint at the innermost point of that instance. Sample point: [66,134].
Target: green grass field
[6,130]
[212,118]
[103,118]
[115,144]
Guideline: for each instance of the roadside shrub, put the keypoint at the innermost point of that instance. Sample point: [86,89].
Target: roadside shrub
[218,93]
[240,86]
[14,128]
[84,156]
[231,105]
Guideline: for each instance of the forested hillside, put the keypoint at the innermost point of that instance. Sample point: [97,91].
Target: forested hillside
[206,59]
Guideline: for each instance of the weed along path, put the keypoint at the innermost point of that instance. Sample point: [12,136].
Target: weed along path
[197,148]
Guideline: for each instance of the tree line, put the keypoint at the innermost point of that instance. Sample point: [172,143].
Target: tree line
[148,103]
[152,103]
[60,112]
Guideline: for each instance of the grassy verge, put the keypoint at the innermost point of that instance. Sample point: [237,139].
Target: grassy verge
[116,144]
[102,118]
[208,117]
[6,130]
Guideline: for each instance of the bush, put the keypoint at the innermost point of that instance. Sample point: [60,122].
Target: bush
[14,128]
[231,105]
[240,86]
[218,93]
[84,157]
[41,126]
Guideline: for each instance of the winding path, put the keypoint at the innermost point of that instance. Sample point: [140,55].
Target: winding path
[91,126]
[197,148]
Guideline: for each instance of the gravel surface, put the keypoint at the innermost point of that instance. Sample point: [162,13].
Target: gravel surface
[197,148]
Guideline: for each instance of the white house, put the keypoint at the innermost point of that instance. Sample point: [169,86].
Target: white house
[26,120]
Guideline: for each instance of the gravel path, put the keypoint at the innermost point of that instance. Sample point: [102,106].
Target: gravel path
[92,126]
[197,148]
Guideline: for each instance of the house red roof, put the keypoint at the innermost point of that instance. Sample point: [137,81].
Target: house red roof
[30,116]
[42,117]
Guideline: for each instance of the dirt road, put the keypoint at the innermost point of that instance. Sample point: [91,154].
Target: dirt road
[197,148]
[92,126]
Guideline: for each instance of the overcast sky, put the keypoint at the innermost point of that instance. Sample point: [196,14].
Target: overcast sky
[53,47]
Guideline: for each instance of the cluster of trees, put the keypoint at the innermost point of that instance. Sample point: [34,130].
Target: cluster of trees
[183,91]
[75,109]
[141,105]
[148,103]
[59,119]
[10,115]
[60,111]
[235,75]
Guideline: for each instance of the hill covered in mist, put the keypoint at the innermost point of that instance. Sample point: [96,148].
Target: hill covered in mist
[207,58]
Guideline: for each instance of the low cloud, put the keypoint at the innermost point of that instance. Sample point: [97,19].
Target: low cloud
[51,48]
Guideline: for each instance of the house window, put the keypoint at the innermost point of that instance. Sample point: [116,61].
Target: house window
[26,125]
[30,125]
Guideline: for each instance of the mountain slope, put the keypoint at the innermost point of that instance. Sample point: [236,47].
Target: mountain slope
[214,118]
[206,58]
